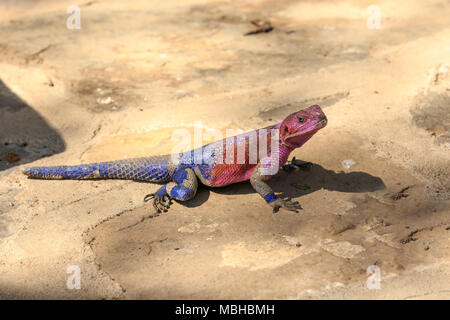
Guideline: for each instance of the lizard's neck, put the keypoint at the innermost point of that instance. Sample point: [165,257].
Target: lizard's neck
[284,152]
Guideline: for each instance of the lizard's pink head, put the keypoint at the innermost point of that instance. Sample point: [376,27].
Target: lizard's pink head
[298,127]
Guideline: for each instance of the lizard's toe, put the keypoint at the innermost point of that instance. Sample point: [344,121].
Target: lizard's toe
[160,203]
[164,202]
[149,197]
[287,204]
[293,206]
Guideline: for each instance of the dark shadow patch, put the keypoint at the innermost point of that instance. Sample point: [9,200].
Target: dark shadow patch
[301,182]
[9,101]
[432,114]
[24,135]
[201,197]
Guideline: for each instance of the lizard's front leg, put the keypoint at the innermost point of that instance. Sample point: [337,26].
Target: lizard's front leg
[258,182]
[183,187]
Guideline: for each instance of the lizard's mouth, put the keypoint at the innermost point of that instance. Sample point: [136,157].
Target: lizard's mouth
[316,125]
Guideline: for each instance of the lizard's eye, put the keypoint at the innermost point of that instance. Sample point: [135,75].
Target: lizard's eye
[301,119]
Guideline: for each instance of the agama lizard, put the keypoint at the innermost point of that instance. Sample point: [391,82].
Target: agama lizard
[217,164]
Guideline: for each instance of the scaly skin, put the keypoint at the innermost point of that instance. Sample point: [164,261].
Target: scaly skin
[216,164]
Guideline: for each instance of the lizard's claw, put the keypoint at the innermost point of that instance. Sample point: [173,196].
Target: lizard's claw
[294,164]
[160,203]
[287,204]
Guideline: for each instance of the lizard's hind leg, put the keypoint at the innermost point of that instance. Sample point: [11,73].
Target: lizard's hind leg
[183,187]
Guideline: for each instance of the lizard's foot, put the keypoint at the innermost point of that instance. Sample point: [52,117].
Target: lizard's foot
[285,203]
[161,203]
[294,164]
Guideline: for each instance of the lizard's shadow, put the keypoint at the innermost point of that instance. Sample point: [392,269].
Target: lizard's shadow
[299,182]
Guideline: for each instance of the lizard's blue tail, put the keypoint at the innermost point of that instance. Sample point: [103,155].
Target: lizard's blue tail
[154,169]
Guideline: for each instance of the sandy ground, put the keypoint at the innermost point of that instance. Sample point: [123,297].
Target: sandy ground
[137,71]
